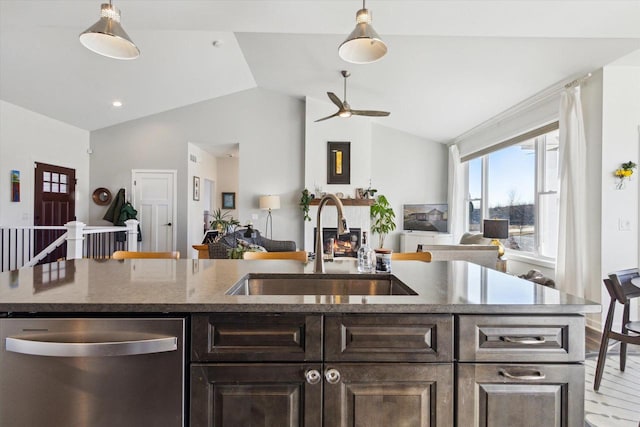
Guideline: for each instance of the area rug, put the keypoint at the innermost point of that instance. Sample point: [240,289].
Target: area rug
[617,402]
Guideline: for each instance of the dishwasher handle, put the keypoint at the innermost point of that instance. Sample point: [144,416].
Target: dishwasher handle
[91,349]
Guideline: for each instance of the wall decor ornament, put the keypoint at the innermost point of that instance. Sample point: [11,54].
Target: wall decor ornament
[196,188]
[15,185]
[623,173]
[228,200]
[338,163]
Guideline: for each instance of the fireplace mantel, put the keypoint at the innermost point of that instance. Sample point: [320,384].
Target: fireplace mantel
[346,202]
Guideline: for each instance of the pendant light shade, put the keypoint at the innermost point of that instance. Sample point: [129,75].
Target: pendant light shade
[363,45]
[107,37]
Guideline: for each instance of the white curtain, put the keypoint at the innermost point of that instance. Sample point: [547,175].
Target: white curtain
[571,261]
[456,194]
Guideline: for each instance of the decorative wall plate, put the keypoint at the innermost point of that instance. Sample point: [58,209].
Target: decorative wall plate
[101,196]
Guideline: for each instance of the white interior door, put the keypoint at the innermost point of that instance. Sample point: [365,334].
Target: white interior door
[155,199]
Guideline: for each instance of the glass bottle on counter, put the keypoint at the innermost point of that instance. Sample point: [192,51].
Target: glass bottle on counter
[366,256]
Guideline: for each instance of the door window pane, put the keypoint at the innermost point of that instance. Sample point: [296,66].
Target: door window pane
[55,188]
[46,187]
[63,178]
[54,177]
[63,188]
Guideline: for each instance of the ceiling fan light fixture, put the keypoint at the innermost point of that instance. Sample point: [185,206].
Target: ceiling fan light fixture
[107,37]
[363,45]
[346,113]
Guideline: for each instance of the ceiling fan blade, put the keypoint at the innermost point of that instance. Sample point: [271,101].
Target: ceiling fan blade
[370,113]
[335,99]
[328,117]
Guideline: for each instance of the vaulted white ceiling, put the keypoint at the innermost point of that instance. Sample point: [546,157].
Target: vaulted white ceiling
[451,64]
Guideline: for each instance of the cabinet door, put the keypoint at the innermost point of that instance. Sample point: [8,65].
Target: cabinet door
[510,395]
[382,395]
[265,395]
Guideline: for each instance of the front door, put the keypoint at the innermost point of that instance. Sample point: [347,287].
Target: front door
[154,199]
[54,204]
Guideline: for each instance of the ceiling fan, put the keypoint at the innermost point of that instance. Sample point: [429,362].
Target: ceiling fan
[344,107]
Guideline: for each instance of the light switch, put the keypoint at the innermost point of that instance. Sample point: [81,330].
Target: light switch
[624,224]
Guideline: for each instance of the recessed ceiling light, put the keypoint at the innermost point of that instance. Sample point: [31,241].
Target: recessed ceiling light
[117,103]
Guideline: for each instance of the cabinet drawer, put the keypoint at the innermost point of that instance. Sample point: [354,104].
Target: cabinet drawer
[388,338]
[521,338]
[256,337]
[510,395]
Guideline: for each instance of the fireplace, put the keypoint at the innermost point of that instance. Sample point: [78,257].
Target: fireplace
[345,245]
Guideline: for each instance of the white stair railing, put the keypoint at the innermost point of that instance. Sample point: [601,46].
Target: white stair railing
[15,250]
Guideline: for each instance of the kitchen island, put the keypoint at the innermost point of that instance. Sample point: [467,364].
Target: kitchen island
[473,346]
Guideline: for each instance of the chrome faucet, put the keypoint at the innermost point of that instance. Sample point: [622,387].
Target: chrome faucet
[342,229]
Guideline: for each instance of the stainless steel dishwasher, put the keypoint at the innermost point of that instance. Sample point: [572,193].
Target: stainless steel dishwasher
[92,372]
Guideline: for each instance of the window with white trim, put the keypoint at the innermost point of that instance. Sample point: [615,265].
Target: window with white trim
[519,182]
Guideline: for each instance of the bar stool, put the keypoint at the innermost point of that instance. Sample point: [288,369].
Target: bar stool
[621,290]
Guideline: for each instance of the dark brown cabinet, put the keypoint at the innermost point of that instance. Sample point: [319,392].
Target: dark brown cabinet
[350,370]
[356,370]
[266,395]
[501,382]
[508,395]
[381,395]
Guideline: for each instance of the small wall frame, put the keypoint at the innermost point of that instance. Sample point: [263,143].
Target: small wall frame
[196,188]
[338,162]
[228,200]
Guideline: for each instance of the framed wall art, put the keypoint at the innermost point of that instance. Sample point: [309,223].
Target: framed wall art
[228,200]
[196,188]
[338,162]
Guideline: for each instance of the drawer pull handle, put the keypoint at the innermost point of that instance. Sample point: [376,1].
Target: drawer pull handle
[313,376]
[525,340]
[537,376]
[332,376]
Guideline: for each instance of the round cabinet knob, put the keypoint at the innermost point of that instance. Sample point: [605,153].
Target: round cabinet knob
[313,376]
[332,376]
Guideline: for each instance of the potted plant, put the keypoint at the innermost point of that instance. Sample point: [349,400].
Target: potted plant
[305,200]
[382,218]
[222,221]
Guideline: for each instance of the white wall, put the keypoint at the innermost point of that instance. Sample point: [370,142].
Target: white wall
[620,139]
[407,170]
[205,167]
[268,126]
[27,137]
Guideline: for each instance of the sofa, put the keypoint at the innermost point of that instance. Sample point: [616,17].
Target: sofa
[219,249]
[472,247]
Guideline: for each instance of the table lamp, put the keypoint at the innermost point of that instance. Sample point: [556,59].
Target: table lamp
[496,229]
[271,203]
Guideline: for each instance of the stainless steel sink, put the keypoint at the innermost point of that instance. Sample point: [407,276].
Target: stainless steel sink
[320,284]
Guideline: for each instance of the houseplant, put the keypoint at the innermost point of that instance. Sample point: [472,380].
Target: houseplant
[382,218]
[222,221]
[305,200]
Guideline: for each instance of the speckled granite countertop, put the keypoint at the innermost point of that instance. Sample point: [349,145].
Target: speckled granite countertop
[190,286]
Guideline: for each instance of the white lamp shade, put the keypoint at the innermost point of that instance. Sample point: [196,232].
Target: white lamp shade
[107,37]
[270,202]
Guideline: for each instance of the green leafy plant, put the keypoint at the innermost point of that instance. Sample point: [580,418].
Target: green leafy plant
[222,221]
[383,218]
[305,200]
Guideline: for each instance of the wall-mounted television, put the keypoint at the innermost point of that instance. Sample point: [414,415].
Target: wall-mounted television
[428,217]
